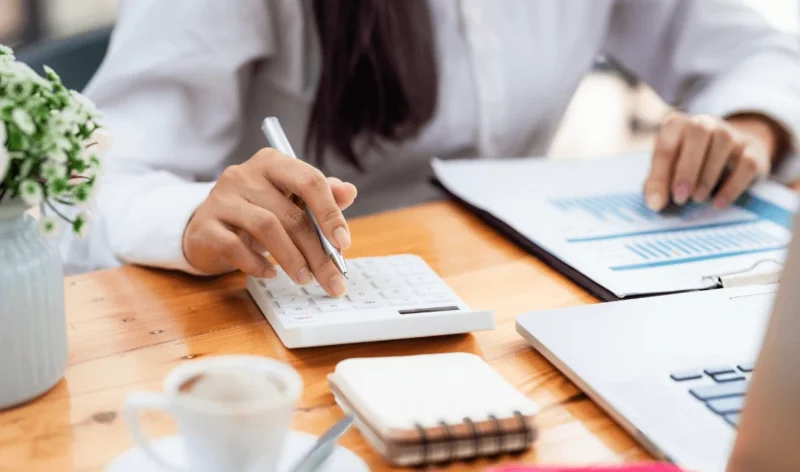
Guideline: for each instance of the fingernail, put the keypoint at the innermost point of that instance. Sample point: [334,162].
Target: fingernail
[269,272]
[341,237]
[701,194]
[336,286]
[681,192]
[304,276]
[655,201]
[721,203]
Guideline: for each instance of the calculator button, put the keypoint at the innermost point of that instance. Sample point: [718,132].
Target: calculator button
[285,292]
[358,295]
[370,303]
[315,290]
[357,283]
[404,301]
[404,259]
[320,299]
[288,301]
[397,292]
[441,298]
[387,282]
[298,310]
[413,270]
[427,290]
[333,306]
[376,272]
[364,263]
[421,279]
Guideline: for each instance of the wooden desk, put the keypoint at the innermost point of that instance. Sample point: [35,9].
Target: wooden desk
[129,327]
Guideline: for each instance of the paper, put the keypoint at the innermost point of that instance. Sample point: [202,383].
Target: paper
[592,216]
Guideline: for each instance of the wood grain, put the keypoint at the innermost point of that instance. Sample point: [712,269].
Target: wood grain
[128,327]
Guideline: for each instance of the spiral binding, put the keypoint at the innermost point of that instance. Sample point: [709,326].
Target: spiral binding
[427,443]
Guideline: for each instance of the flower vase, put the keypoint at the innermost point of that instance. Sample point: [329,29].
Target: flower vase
[33,334]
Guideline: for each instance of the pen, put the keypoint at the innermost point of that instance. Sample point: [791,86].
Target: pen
[278,140]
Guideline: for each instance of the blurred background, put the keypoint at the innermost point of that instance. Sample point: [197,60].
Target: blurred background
[609,115]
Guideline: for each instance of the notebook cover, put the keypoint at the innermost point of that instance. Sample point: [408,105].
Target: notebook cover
[577,277]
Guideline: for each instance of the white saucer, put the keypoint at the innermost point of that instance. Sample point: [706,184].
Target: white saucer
[297,444]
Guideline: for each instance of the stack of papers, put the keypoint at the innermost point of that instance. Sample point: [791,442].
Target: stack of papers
[591,218]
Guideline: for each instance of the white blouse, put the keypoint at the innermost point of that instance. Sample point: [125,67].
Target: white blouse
[186,84]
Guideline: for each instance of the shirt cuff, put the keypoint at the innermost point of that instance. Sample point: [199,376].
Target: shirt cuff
[173,207]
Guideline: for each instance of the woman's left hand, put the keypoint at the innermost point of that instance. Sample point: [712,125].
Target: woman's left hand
[692,153]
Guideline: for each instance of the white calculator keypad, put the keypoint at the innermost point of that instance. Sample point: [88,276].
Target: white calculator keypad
[388,298]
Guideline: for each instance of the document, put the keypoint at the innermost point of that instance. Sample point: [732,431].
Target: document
[591,215]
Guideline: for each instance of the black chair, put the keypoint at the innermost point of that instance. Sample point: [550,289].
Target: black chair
[75,59]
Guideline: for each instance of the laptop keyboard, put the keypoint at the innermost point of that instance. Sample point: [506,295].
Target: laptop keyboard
[721,388]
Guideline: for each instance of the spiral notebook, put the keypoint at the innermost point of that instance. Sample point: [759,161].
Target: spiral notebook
[434,408]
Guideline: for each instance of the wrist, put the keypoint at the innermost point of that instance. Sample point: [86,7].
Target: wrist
[764,130]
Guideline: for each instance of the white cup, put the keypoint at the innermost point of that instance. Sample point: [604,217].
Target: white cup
[233,412]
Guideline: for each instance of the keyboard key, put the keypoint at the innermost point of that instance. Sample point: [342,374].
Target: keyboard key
[286,292]
[727,389]
[396,292]
[729,377]
[368,304]
[358,295]
[288,301]
[746,367]
[723,406]
[429,290]
[387,282]
[334,306]
[733,419]
[684,376]
[719,370]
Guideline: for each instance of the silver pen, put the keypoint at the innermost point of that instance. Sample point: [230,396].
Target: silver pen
[277,140]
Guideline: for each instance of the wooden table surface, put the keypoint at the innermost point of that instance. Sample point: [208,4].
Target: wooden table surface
[128,327]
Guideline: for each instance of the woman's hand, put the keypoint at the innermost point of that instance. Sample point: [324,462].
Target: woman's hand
[693,152]
[249,211]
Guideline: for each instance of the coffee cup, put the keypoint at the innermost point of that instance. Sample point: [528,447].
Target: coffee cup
[233,412]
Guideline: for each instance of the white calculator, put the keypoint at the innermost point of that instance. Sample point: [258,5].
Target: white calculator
[391,297]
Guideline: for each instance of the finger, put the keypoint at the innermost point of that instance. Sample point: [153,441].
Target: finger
[234,251]
[305,237]
[722,149]
[310,184]
[298,226]
[343,192]
[667,146]
[267,229]
[744,173]
[694,148]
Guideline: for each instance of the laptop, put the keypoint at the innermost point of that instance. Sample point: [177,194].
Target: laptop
[709,381]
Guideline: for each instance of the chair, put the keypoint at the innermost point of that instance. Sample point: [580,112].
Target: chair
[75,59]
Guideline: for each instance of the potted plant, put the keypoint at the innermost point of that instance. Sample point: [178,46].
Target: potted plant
[48,161]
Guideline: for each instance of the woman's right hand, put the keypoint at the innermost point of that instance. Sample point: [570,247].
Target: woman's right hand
[249,211]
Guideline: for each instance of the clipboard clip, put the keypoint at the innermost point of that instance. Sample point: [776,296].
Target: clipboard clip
[749,276]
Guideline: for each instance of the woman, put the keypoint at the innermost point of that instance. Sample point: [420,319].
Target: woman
[374,88]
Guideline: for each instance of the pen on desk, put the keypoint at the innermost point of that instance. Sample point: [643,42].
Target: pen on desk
[278,140]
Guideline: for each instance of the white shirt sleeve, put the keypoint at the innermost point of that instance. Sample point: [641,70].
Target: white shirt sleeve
[171,89]
[716,57]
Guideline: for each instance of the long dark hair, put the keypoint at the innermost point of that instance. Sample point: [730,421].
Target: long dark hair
[379,78]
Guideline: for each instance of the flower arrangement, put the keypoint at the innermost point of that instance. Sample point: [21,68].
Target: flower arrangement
[49,150]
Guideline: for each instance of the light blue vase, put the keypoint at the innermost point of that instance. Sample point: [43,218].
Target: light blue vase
[33,333]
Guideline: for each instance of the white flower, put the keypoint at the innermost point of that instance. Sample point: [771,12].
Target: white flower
[50,227]
[5,161]
[57,156]
[23,120]
[20,88]
[53,170]
[6,53]
[86,106]
[3,134]
[32,192]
